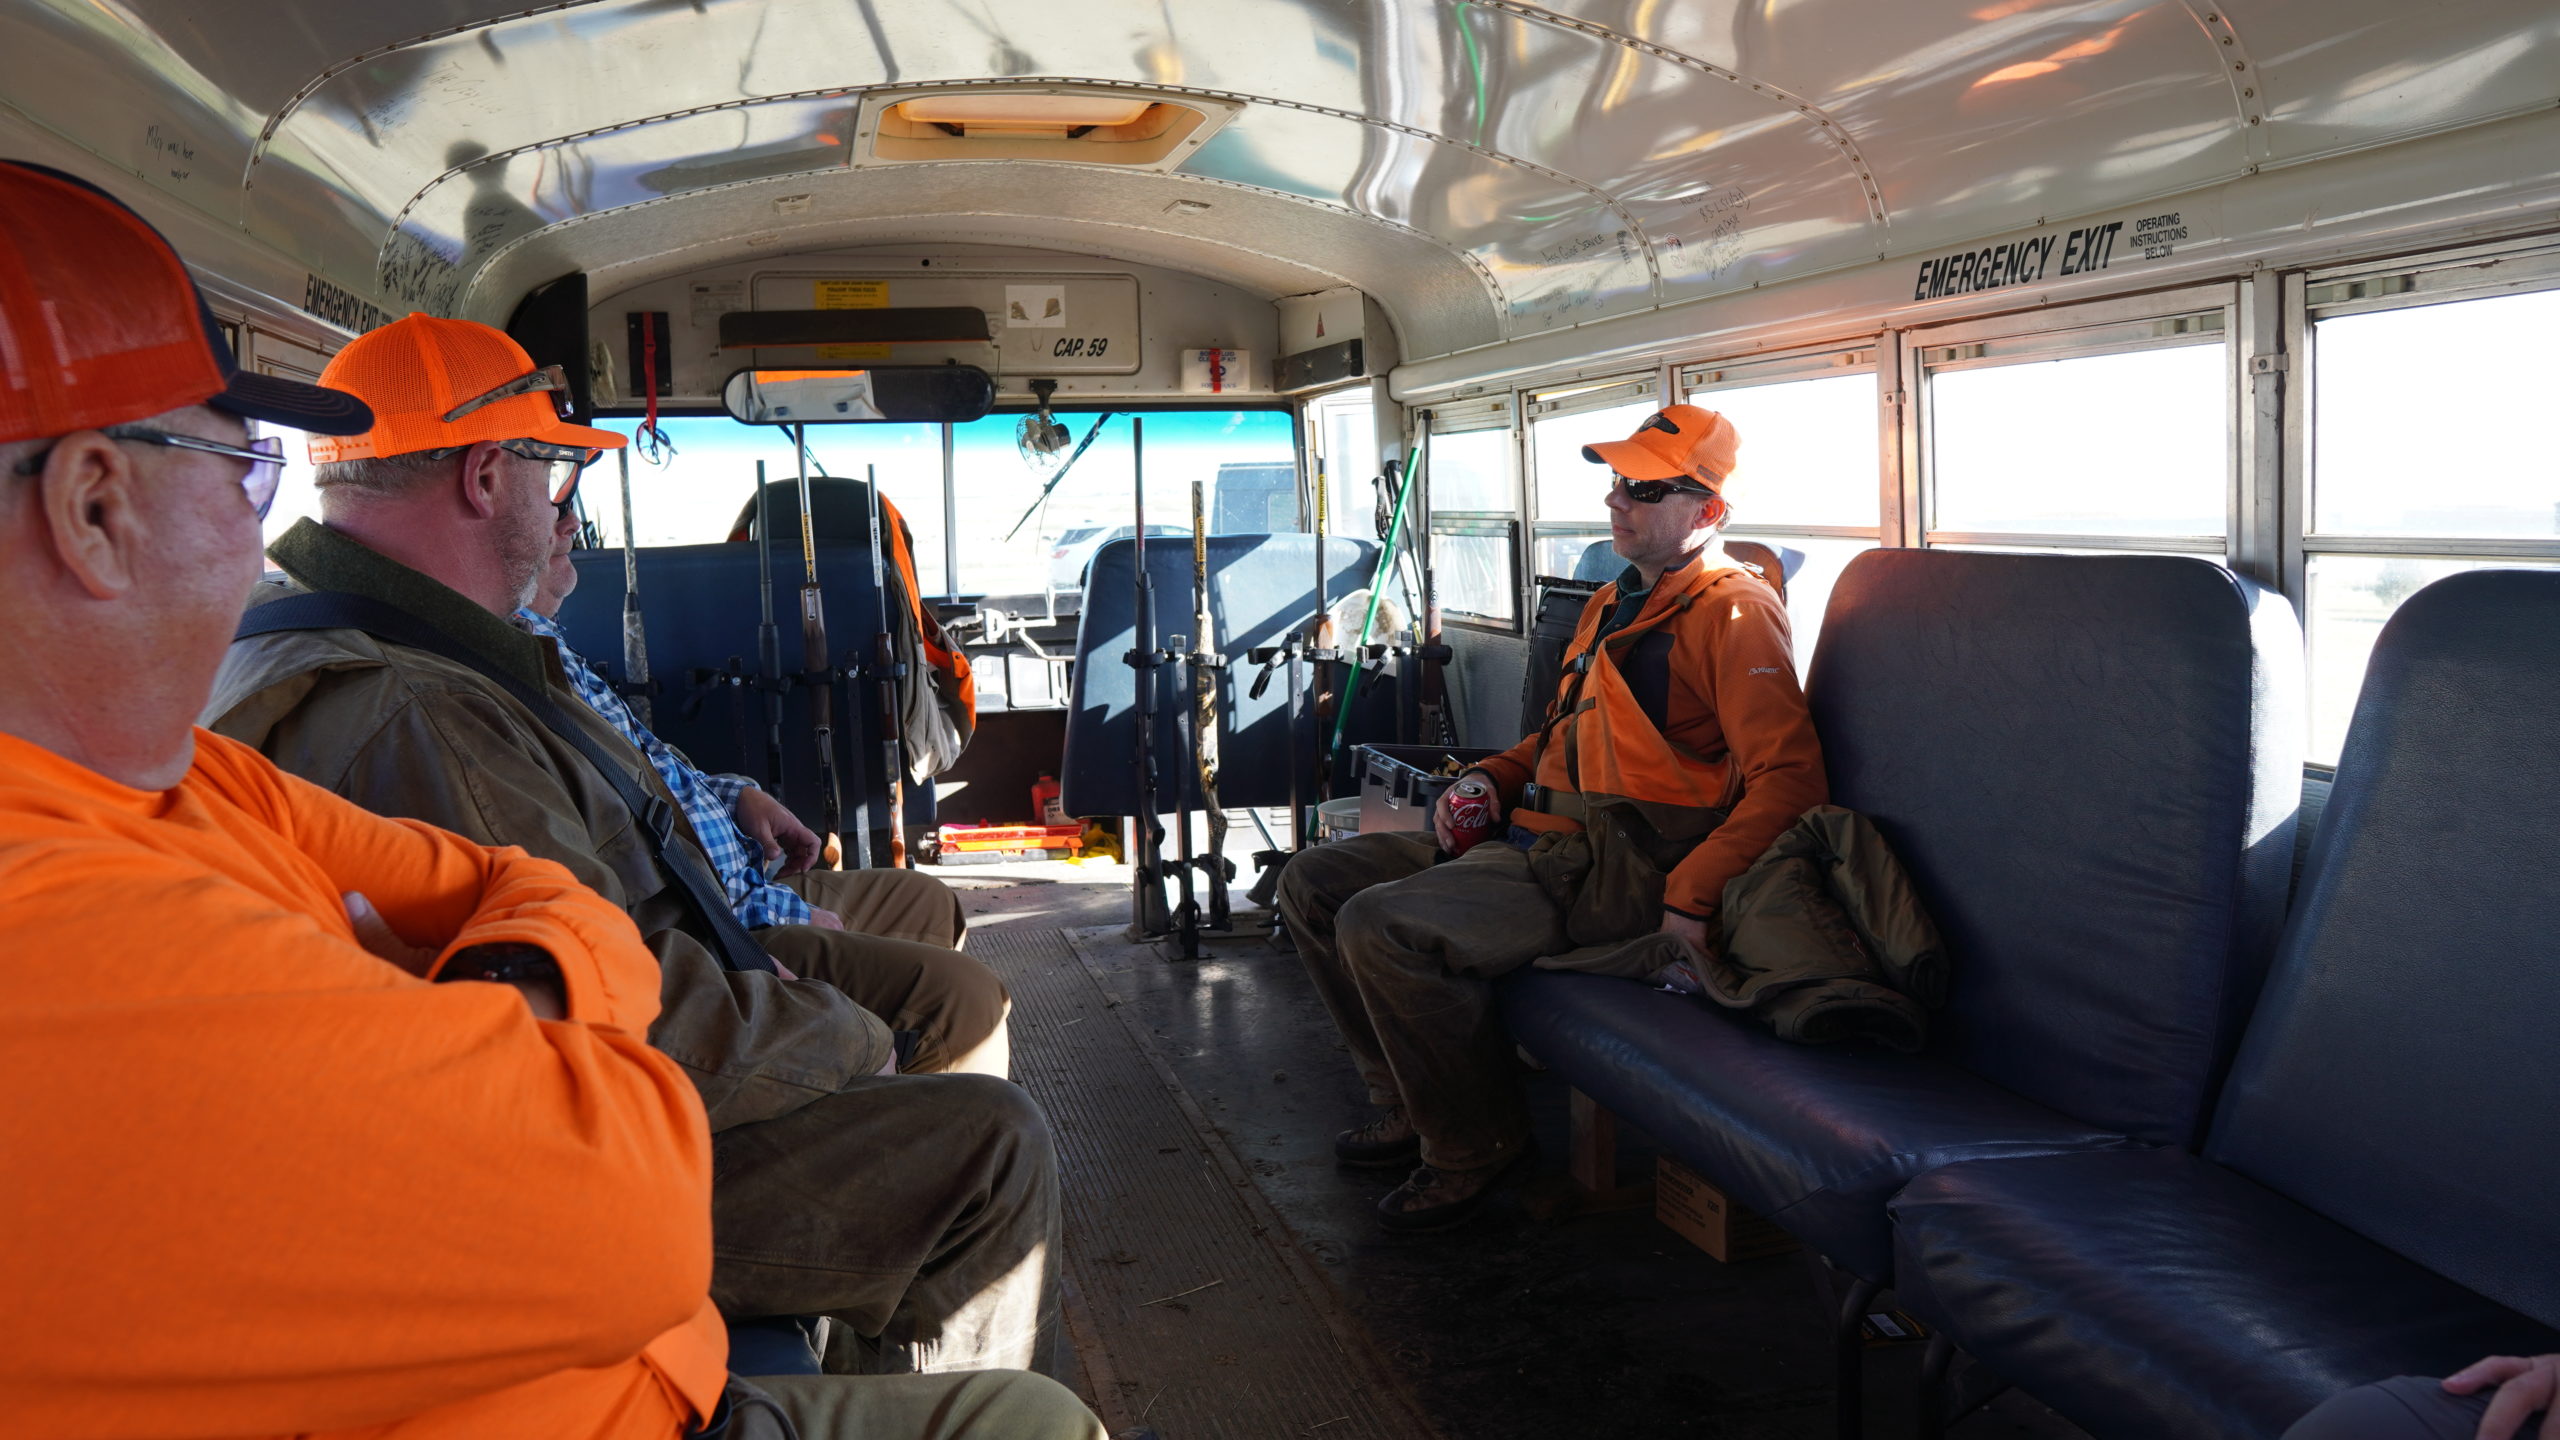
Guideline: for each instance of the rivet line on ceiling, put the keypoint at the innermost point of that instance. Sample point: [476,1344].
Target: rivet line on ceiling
[1874,196]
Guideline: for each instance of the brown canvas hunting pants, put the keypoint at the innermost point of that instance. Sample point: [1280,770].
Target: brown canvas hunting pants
[920,1209]
[1405,953]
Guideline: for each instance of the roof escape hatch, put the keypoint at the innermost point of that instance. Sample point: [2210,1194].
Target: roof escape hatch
[1089,125]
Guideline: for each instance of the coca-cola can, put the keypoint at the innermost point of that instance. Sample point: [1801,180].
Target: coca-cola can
[1471,813]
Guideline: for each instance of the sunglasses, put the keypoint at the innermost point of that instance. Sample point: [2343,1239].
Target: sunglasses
[553,379]
[564,463]
[1654,492]
[264,454]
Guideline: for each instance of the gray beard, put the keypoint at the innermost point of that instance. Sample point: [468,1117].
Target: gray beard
[524,556]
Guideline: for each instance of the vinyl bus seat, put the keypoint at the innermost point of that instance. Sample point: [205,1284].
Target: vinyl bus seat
[774,1345]
[2090,767]
[700,606]
[1600,564]
[1260,588]
[2375,1197]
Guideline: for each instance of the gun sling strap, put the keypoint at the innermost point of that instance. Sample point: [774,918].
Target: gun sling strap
[337,610]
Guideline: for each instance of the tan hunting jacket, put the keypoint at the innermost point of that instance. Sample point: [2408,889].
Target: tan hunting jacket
[406,733]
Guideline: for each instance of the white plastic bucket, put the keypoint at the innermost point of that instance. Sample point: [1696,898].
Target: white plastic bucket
[1337,819]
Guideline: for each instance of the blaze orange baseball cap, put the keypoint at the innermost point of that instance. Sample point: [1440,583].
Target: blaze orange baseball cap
[1680,442]
[434,384]
[100,323]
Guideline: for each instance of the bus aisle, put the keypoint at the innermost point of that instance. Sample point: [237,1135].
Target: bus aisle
[1227,1279]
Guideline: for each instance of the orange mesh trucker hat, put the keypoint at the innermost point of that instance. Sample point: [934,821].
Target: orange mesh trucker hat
[1680,442]
[434,384]
[101,324]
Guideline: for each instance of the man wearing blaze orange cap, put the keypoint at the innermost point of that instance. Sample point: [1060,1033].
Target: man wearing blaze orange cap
[1677,750]
[355,1111]
[919,1209]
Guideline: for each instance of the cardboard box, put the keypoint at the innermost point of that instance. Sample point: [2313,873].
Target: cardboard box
[1708,1219]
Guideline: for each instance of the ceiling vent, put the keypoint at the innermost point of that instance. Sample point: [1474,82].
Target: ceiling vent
[1087,125]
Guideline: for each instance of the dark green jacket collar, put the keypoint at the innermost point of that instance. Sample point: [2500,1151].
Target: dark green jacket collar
[319,558]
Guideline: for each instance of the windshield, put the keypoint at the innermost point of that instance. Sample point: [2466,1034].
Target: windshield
[996,533]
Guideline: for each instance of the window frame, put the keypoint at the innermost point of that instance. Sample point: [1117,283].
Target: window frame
[1869,354]
[1471,416]
[2443,277]
[2160,320]
[1313,442]
[2518,266]
[1553,402]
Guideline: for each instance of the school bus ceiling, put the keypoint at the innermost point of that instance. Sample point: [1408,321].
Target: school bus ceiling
[1576,164]
[2486,181]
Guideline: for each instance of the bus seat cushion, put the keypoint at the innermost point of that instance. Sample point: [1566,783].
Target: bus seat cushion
[2406,1032]
[2148,1292]
[2089,764]
[1817,1138]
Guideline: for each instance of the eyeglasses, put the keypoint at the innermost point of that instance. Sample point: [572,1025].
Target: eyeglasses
[1653,492]
[265,456]
[565,462]
[552,378]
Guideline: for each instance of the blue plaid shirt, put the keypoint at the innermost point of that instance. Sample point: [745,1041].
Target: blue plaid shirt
[709,801]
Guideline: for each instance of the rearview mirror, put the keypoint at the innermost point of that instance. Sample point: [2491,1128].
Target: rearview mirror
[953,394]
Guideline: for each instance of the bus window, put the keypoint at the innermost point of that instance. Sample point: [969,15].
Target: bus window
[1808,452]
[1346,439]
[2133,446]
[2427,427]
[1475,525]
[1568,487]
[1471,473]
[1806,480]
[295,497]
[2350,596]
[1477,565]
[1015,543]
[693,495]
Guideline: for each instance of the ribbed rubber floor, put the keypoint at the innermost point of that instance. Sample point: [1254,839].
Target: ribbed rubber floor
[1191,1310]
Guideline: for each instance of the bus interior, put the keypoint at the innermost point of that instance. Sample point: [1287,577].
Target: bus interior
[2141,407]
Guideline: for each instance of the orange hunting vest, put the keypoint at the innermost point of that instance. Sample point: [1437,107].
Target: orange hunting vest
[1598,744]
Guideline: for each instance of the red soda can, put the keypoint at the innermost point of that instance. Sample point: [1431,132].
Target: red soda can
[1471,807]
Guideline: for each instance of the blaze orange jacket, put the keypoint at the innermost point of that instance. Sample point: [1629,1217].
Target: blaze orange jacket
[256,1182]
[1737,736]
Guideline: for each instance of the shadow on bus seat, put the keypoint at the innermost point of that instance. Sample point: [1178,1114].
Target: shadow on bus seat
[701,609]
[2090,767]
[2375,1197]
[1260,587]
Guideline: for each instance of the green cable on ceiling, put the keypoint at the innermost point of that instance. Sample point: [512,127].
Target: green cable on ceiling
[1475,62]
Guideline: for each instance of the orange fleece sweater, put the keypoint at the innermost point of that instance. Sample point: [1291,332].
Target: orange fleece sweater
[255,1181]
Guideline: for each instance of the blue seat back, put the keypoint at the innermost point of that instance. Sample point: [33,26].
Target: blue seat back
[1260,586]
[1598,563]
[2404,1066]
[2091,766]
[700,606]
